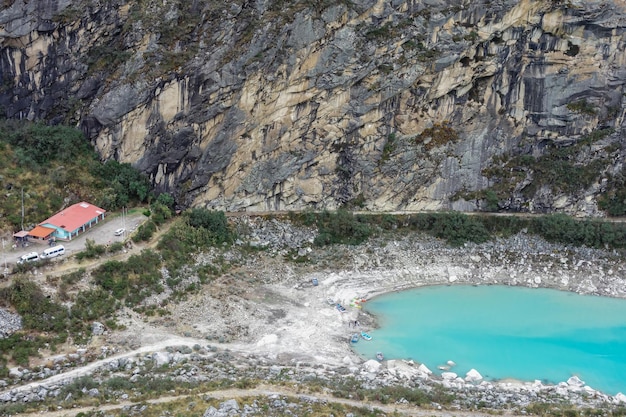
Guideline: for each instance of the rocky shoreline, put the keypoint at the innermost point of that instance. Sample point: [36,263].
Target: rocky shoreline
[278,323]
[192,363]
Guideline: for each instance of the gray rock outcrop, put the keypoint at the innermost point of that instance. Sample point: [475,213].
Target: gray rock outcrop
[9,323]
[399,105]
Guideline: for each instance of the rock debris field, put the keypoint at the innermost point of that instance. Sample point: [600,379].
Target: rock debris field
[266,318]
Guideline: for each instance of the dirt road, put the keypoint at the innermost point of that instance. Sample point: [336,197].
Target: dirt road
[263,391]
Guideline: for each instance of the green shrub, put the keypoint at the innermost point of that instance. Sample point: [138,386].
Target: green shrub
[127,184]
[38,311]
[582,106]
[472,36]
[455,228]
[78,387]
[214,222]
[93,305]
[613,201]
[389,148]
[383,32]
[160,213]
[167,200]
[131,281]
[41,144]
[115,247]
[118,383]
[492,200]
[458,228]
[567,230]
[144,232]
[437,135]
[341,227]
[91,250]
[73,277]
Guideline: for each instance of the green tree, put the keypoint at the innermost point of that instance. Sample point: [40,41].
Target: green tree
[167,200]
[213,221]
[128,183]
[341,226]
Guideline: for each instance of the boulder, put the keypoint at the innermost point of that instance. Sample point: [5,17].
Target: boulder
[211,412]
[372,366]
[473,376]
[619,398]
[575,382]
[424,369]
[449,375]
[347,360]
[402,369]
[161,358]
[229,406]
[15,373]
[97,328]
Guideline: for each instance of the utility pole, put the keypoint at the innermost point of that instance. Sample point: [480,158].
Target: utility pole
[22,208]
[6,269]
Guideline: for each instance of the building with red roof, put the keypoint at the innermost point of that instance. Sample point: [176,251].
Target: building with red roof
[71,222]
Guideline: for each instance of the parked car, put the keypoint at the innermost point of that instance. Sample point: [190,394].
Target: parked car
[53,252]
[120,231]
[29,257]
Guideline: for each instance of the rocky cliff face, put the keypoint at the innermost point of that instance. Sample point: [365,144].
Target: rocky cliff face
[387,105]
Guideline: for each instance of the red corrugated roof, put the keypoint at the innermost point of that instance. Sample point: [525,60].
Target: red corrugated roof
[41,232]
[75,216]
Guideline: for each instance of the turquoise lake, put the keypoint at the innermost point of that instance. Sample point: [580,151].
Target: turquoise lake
[504,332]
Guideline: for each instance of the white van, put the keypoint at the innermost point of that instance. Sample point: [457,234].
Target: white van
[53,252]
[29,257]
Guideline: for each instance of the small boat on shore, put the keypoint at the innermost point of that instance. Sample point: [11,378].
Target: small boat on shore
[355,338]
[330,301]
[366,336]
[341,308]
[380,356]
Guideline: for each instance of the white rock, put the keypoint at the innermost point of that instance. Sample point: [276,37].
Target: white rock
[372,366]
[59,359]
[619,398]
[424,369]
[473,376]
[268,339]
[97,328]
[589,390]
[161,358]
[451,363]
[449,375]
[575,382]
[15,373]
[228,406]
[402,369]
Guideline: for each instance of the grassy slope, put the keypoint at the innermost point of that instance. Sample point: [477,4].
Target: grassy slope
[54,167]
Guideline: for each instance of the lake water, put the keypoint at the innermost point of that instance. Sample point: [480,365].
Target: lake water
[504,332]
